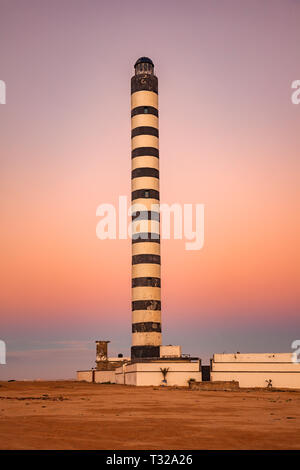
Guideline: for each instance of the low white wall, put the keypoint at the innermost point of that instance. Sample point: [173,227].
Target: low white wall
[119,375]
[149,373]
[171,351]
[253,357]
[85,375]
[255,370]
[104,376]
[256,367]
[256,379]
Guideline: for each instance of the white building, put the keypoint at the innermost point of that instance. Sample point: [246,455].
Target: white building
[257,370]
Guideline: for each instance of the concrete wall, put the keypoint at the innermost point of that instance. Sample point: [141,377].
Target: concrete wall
[100,376]
[255,370]
[212,386]
[103,376]
[120,376]
[170,351]
[85,375]
[149,373]
[118,359]
[253,357]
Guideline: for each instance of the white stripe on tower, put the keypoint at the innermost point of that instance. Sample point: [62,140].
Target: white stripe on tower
[146,298]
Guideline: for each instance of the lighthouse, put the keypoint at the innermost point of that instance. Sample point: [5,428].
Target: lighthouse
[146,281]
[150,363]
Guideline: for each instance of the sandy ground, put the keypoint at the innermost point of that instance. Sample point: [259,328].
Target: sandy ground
[76,415]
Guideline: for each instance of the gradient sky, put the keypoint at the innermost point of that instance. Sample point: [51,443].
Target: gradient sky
[229,138]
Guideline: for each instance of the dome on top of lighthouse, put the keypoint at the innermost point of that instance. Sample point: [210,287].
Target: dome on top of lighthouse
[144,60]
[144,78]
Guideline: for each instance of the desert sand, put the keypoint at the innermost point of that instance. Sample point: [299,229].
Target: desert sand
[77,415]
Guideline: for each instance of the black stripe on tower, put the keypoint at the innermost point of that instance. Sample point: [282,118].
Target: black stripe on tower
[144,130]
[144,110]
[145,194]
[140,172]
[142,352]
[146,305]
[146,215]
[145,282]
[145,151]
[146,258]
[144,82]
[143,237]
[146,327]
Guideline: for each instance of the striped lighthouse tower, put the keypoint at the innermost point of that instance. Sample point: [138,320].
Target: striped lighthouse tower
[146,300]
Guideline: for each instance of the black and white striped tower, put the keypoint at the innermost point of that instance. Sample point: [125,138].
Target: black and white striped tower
[146,300]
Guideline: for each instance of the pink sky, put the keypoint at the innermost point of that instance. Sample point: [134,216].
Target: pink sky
[229,138]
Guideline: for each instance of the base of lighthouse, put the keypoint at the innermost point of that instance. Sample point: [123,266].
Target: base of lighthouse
[149,373]
[169,369]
